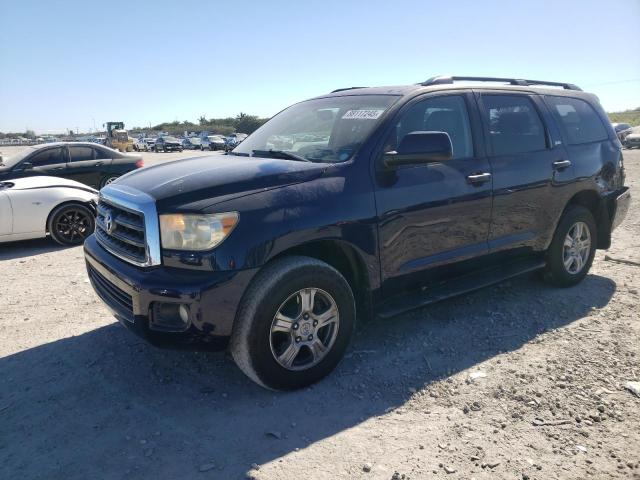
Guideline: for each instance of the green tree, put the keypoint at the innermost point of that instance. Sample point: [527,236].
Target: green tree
[247,123]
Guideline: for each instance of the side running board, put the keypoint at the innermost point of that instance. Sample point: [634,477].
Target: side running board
[456,286]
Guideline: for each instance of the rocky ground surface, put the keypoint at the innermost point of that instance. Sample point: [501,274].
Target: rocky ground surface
[517,381]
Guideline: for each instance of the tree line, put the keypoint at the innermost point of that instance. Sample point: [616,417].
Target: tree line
[242,123]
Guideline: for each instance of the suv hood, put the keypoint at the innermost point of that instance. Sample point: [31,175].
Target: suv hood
[196,183]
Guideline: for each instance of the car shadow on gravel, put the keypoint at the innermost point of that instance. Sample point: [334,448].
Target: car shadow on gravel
[104,404]
[29,248]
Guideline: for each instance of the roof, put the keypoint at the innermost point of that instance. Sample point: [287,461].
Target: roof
[62,144]
[466,83]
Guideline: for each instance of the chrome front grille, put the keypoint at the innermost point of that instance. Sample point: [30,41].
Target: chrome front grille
[121,231]
[127,225]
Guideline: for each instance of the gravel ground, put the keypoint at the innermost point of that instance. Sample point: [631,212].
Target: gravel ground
[516,381]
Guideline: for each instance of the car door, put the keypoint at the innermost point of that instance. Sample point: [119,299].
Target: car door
[47,161]
[6,212]
[434,215]
[530,169]
[87,165]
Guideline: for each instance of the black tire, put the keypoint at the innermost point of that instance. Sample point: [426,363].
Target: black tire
[155,149]
[107,180]
[555,272]
[58,223]
[250,343]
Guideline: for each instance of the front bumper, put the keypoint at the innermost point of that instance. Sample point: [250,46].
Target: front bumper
[130,292]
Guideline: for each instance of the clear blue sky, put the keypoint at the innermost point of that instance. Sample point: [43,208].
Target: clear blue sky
[66,64]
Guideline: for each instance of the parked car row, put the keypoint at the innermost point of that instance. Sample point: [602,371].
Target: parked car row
[168,143]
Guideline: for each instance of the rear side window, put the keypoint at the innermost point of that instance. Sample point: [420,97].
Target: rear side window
[579,121]
[100,154]
[514,124]
[79,154]
[50,156]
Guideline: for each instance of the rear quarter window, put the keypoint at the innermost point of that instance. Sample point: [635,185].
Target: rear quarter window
[80,154]
[577,119]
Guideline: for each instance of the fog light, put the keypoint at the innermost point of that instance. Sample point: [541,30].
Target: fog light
[184,313]
[169,317]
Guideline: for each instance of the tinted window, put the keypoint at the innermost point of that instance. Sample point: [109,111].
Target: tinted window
[100,154]
[579,121]
[51,156]
[79,154]
[439,114]
[514,124]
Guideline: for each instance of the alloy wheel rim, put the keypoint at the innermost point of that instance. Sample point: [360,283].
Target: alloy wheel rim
[110,180]
[73,225]
[576,248]
[304,329]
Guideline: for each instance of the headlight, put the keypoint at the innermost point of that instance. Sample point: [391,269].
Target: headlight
[194,231]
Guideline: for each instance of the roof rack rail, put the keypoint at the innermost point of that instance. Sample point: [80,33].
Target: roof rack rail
[347,88]
[443,80]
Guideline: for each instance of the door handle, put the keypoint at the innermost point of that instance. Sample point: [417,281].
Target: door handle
[97,164]
[479,177]
[560,164]
[58,168]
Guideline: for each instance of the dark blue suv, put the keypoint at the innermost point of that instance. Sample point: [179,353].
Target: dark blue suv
[363,201]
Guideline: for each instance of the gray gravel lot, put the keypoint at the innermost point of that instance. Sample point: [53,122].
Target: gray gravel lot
[80,397]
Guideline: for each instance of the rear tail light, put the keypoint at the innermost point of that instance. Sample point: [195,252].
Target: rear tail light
[140,163]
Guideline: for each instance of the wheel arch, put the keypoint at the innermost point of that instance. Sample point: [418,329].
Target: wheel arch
[597,205]
[345,258]
[85,203]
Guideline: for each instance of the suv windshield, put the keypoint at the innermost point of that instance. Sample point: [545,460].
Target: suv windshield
[323,130]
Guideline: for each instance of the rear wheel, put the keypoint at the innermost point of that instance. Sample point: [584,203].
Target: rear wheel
[294,323]
[70,224]
[107,180]
[572,249]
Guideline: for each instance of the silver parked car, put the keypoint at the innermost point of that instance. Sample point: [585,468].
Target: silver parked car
[213,142]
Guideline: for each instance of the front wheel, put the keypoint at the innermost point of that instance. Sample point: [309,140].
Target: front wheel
[572,249]
[294,323]
[70,224]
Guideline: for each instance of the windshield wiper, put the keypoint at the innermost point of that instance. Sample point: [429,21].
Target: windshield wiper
[281,154]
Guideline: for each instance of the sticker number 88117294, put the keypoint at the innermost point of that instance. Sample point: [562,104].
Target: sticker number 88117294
[362,114]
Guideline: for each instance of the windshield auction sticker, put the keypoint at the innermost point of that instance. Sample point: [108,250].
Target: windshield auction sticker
[363,114]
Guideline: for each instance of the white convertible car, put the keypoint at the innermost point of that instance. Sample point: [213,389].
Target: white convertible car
[31,207]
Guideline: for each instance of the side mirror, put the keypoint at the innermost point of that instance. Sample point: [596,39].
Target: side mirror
[418,148]
[24,166]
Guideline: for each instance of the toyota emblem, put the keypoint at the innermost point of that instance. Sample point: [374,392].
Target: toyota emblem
[109,224]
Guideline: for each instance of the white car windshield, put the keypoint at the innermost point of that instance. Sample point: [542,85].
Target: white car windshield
[17,158]
[327,129]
